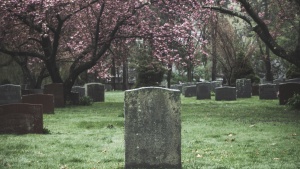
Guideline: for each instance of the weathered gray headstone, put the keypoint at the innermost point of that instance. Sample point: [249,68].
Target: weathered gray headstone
[10,94]
[268,91]
[190,91]
[47,100]
[152,128]
[225,93]
[21,118]
[243,88]
[286,91]
[203,90]
[95,91]
[80,90]
[57,89]
[215,84]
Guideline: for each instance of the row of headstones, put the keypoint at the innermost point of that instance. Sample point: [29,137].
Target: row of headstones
[243,89]
[152,128]
[21,111]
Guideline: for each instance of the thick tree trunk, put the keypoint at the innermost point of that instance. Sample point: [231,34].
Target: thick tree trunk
[113,73]
[169,75]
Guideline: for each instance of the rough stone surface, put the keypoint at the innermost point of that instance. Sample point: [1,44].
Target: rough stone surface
[190,91]
[152,128]
[57,90]
[80,90]
[21,118]
[47,100]
[287,90]
[95,91]
[10,94]
[225,93]
[243,88]
[268,92]
[203,90]
[215,84]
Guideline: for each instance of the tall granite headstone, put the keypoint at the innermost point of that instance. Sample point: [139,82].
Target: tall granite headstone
[287,90]
[57,89]
[47,100]
[225,93]
[203,90]
[21,118]
[95,91]
[267,91]
[243,88]
[152,128]
[10,93]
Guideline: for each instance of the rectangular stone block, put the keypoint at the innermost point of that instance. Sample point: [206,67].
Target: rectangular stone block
[203,90]
[95,91]
[152,128]
[57,89]
[10,93]
[80,90]
[190,91]
[268,92]
[225,93]
[47,100]
[21,118]
[287,90]
[243,88]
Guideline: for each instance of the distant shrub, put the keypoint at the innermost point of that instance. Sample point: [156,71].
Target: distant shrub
[294,102]
[85,101]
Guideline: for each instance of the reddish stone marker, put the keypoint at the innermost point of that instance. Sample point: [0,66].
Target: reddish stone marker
[21,118]
[57,89]
[47,100]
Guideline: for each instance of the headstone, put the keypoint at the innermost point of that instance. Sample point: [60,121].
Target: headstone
[215,84]
[203,90]
[287,90]
[10,94]
[47,100]
[21,118]
[57,90]
[243,88]
[95,91]
[80,90]
[190,91]
[268,91]
[32,91]
[152,128]
[255,90]
[225,93]
[295,80]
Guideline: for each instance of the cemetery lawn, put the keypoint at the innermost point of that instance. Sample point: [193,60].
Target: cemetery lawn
[247,133]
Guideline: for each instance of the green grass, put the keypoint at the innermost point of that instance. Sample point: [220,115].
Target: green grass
[247,133]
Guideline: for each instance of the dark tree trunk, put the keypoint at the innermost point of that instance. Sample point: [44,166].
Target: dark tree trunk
[169,75]
[113,73]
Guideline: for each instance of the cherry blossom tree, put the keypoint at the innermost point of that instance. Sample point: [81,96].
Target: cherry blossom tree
[82,32]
